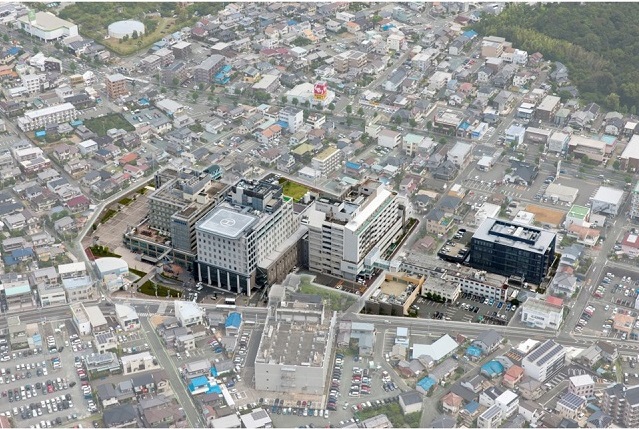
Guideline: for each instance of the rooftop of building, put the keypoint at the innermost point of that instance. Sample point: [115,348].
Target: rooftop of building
[513,234]
[398,287]
[227,222]
[300,344]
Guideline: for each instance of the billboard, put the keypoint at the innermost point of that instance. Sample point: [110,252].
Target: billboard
[320,91]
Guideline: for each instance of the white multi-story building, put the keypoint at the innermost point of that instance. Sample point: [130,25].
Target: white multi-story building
[293,117]
[634,202]
[327,160]
[34,83]
[239,235]
[491,418]
[508,402]
[34,119]
[544,314]
[544,361]
[47,26]
[81,318]
[389,138]
[343,233]
[582,385]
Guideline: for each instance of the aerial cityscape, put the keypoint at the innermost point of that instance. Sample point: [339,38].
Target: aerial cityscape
[333,214]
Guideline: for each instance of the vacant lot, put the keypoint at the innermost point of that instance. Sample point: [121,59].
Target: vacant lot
[101,125]
[546,215]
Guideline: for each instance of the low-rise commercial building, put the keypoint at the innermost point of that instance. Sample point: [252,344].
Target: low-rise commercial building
[544,314]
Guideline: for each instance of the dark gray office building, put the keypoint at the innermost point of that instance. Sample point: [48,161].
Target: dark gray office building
[512,249]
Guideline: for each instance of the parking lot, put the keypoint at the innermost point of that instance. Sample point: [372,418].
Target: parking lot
[36,390]
[468,308]
[343,399]
[614,293]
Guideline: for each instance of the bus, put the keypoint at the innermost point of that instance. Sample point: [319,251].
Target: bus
[229,301]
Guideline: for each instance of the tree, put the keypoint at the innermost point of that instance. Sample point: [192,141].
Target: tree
[283,99]
[72,66]
[331,107]
[349,109]
[412,122]
[163,90]
[5,37]
[195,95]
[564,95]
[443,140]
[349,121]
[616,164]
[429,125]
[175,81]
[360,111]
[295,101]
[134,35]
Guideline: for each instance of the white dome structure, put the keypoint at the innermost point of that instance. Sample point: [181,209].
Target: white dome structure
[119,29]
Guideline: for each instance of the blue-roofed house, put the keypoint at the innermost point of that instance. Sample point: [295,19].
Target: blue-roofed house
[471,34]
[19,255]
[425,384]
[469,413]
[473,353]
[233,324]
[198,385]
[492,369]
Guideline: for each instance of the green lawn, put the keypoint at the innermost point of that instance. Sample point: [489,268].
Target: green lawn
[108,215]
[101,125]
[336,300]
[149,288]
[103,252]
[293,189]
[137,272]
[125,201]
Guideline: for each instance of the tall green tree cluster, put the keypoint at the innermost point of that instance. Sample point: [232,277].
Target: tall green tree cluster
[598,42]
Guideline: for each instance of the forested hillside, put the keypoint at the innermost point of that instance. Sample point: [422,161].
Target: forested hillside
[598,42]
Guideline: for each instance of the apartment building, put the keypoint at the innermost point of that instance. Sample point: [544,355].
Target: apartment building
[206,70]
[634,202]
[547,108]
[491,418]
[621,402]
[543,313]
[582,385]
[255,228]
[343,233]
[349,59]
[327,161]
[512,249]
[34,83]
[38,119]
[116,86]
[544,361]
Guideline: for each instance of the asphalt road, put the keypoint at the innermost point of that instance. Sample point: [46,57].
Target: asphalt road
[159,351]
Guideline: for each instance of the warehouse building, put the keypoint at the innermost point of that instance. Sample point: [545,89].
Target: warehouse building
[607,201]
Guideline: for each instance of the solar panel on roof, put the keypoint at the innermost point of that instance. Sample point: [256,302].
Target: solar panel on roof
[549,355]
[259,414]
[536,354]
